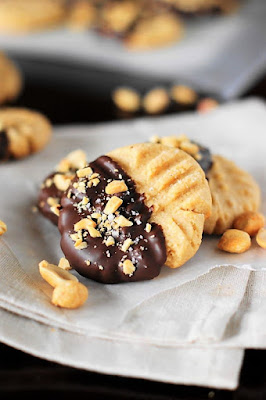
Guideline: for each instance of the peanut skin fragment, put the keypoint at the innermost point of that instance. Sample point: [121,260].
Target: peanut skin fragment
[234,241]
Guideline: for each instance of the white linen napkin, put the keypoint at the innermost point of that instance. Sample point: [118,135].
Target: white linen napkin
[223,55]
[187,325]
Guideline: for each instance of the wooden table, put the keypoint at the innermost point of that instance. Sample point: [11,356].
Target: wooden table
[53,88]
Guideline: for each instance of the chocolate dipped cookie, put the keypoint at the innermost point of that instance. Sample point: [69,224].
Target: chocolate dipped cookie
[234,191]
[124,216]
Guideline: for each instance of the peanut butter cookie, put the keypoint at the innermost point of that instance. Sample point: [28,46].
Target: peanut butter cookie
[22,132]
[10,81]
[233,190]
[175,188]
[18,16]
[124,215]
[154,31]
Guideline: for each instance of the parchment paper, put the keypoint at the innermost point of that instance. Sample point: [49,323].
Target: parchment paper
[215,300]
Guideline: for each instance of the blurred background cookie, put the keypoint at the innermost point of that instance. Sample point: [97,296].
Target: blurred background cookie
[22,132]
[10,80]
[203,6]
[80,14]
[18,16]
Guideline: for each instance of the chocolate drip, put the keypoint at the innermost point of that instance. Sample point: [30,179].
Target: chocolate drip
[147,251]
[47,191]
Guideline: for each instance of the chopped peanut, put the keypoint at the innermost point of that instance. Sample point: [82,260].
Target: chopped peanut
[82,173]
[116,187]
[53,201]
[109,241]
[190,148]
[62,182]
[122,221]
[128,267]
[84,223]
[148,227]
[127,243]
[64,264]
[234,241]
[112,205]
[80,245]
[55,209]
[94,232]
[64,166]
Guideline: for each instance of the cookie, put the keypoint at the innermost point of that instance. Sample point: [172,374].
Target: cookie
[22,132]
[154,31]
[175,187]
[117,17]
[57,182]
[80,14]
[18,16]
[203,6]
[233,190]
[11,80]
[124,215]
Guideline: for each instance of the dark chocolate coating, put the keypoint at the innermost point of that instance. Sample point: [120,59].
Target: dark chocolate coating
[44,193]
[206,158]
[4,153]
[148,253]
